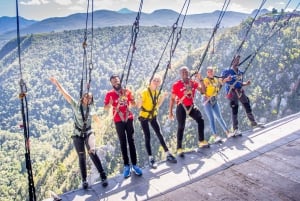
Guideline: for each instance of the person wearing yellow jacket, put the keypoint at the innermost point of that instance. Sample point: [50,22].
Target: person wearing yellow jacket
[211,106]
[149,102]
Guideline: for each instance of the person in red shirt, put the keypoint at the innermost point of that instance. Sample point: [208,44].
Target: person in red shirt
[120,100]
[183,93]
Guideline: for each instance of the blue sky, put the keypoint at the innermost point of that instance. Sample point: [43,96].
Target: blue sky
[42,9]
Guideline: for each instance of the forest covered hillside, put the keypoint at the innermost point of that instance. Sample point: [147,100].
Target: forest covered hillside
[274,93]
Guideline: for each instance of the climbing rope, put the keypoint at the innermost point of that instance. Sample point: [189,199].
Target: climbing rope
[24,111]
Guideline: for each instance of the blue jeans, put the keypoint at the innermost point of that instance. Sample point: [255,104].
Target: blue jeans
[213,112]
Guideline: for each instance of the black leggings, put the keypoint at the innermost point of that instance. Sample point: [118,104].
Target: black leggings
[181,117]
[239,95]
[79,143]
[125,133]
[155,125]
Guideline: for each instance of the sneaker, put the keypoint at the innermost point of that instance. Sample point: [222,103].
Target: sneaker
[214,139]
[104,182]
[180,152]
[103,179]
[236,132]
[152,163]
[137,170]
[85,184]
[171,158]
[203,144]
[218,139]
[254,123]
[229,134]
[126,171]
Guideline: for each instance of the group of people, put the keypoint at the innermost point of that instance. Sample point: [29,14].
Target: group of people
[150,99]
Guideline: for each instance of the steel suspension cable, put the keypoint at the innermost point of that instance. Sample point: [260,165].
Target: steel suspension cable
[172,46]
[271,35]
[239,49]
[132,47]
[87,67]
[221,15]
[24,111]
[171,38]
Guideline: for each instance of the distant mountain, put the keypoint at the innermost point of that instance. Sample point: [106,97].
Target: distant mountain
[262,12]
[123,17]
[125,11]
[9,23]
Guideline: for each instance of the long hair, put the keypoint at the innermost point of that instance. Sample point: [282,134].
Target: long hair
[88,94]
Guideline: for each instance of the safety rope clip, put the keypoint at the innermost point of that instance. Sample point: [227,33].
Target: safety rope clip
[22,95]
[175,25]
[91,66]
[136,29]
[84,44]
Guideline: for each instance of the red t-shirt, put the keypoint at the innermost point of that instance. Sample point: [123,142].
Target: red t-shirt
[185,92]
[121,101]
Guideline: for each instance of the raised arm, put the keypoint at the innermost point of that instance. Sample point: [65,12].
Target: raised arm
[61,89]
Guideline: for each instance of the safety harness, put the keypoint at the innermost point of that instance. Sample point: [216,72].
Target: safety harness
[239,78]
[154,99]
[216,85]
[122,101]
[188,93]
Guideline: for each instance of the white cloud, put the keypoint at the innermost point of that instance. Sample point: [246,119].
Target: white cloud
[204,6]
[77,8]
[34,2]
[240,8]
[63,2]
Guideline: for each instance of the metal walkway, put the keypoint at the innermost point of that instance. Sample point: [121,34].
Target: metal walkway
[260,165]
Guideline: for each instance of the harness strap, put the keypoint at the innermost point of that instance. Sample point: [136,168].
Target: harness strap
[150,112]
[208,99]
[238,93]
[121,114]
[82,130]
[118,111]
[154,100]
[232,85]
[217,88]
[188,111]
[187,94]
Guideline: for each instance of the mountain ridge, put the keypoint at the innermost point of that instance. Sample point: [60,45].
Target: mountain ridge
[123,17]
